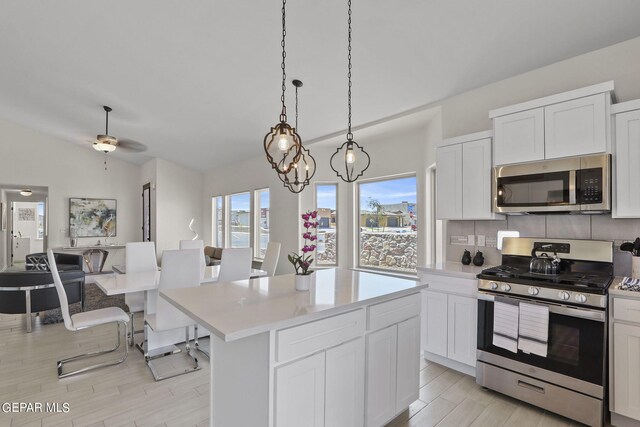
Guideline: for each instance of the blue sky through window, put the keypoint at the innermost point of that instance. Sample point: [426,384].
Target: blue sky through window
[390,191]
[241,202]
[326,196]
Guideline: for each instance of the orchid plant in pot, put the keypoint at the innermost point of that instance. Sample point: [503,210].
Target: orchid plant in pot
[302,262]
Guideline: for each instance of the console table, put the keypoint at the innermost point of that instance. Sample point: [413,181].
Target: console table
[89,252]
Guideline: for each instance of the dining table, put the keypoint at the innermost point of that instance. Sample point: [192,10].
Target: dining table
[147,282]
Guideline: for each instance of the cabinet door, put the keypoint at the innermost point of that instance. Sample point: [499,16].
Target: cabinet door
[476,179]
[408,363]
[519,137]
[576,127]
[462,334]
[449,182]
[435,331]
[627,159]
[344,404]
[381,376]
[300,393]
[626,370]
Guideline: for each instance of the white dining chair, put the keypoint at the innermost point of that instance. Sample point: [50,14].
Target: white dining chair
[196,244]
[234,265]
[140,257]
[180,269]
[84,320]
[271,258]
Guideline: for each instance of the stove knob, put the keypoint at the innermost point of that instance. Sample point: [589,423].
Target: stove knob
[581,298]
[493,285]
[505,287]
[533,290]
[564,295]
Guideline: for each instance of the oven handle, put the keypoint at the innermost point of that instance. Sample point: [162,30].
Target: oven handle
[584,313]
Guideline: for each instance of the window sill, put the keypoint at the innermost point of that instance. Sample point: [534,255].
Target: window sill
[400,275]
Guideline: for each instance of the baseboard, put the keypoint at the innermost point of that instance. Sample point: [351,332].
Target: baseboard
[451,364]
[622,421]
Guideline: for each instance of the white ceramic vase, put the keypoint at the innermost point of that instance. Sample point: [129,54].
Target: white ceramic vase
[635,267]
[304,282]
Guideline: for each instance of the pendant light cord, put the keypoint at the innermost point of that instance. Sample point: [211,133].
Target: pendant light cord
[283,114]
[349,134]
[106,131]
[297,110]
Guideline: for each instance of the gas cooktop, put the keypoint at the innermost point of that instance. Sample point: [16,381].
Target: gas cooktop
[590,281]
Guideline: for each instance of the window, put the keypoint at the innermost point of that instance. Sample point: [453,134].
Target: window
[217,220]
[262,222]
[326,202]
[387,224]
[146,212]
[239,220]
[40,219]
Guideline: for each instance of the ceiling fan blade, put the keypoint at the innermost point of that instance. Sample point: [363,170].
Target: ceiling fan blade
[131,145]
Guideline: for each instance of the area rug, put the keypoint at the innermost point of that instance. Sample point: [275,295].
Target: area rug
[94,298]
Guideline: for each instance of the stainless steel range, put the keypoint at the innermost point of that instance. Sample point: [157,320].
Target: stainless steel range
[542,332]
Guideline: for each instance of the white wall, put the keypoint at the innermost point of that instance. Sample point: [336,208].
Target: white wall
[178,199]
[30,159]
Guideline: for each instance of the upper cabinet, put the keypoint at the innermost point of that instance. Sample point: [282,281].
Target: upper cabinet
[463,178]
[626,160]
[568,124]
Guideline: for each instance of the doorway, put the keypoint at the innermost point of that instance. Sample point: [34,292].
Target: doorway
[146,212]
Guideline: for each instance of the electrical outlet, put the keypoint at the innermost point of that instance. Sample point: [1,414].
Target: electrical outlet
[471,240]
[491,242]
[481,241]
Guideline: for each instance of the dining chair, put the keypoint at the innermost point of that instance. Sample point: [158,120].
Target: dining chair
[180,269]
[234,265]
[84,320]
[196,244]
[271,258]
[140,257]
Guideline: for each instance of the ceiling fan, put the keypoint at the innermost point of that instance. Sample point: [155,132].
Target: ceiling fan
[107,143]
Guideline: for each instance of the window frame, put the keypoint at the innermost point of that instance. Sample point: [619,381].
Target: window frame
[228,208]
[315,207]
[214,222]
[257,208]
[356,228]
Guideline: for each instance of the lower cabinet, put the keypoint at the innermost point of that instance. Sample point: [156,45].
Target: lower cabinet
[624,354]
[344,399]
[393,359]
[450,326]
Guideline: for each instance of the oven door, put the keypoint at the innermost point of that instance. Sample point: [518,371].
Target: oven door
[576,346]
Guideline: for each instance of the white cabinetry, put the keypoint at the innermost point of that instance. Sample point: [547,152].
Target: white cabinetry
[344,399]
[300,393]
[381,372]
[624,354]
[519,137]
[626,161]
[450,321]
[408,383]
[576,127]
[568,124]
[463,178]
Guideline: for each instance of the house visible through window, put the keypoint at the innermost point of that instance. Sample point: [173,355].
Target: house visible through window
[240,220]
[326,202]
[262,222]
[387,224]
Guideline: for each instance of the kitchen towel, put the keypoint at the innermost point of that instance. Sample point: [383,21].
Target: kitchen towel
[505,326]
[533,332]
[630,284]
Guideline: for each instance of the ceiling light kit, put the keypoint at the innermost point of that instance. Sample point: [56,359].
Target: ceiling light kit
[299,176]
[105,143]
[282,144]
[350,161]
[26,192]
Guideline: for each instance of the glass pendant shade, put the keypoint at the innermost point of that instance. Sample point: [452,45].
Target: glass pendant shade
[282,145]
[105,143]
[299,175]
[350,161]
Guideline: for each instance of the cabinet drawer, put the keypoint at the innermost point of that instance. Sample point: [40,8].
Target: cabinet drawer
[319,335]
[626,309]
[394,311]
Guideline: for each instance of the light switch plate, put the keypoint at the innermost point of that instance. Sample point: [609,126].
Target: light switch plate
[471,240]
[481,241]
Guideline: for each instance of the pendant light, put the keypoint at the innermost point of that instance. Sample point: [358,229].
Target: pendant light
[350,160]
[282,144]
[300,174]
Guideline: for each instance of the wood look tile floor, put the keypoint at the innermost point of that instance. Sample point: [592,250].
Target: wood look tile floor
[127,395]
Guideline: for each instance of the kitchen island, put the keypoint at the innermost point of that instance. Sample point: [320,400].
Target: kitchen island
[345,353]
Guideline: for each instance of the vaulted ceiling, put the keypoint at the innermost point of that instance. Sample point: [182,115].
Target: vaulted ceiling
[198,82]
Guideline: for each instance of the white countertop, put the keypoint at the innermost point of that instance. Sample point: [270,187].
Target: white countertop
[117,284]
[244,308]
[453,269]
[614,289]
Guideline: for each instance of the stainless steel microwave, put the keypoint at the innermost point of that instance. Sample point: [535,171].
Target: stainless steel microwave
[571,185]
